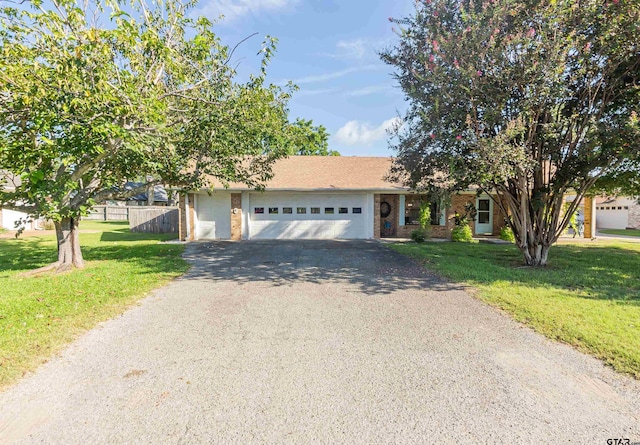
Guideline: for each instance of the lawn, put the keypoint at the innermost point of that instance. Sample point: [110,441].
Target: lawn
[39,315]
[588,296]
[623,232]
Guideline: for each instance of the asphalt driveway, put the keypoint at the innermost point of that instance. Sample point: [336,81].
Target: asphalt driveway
[316,342]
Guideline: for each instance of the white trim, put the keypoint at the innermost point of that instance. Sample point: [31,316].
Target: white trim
[370,215]
[246,214]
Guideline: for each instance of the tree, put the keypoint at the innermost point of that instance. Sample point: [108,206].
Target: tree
[310,140]
[525,99]
[84,107]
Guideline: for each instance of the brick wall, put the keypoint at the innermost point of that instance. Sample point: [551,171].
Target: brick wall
[588,218]
[182,218]
[392,219]
[634,216]
[236,216]
[457,206]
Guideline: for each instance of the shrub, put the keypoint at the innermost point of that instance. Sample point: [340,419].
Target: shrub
[419,236]
[462,234]
[507,234]
[425,219]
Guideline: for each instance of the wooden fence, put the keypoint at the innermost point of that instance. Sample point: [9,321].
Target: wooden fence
[153,219]
[109,213]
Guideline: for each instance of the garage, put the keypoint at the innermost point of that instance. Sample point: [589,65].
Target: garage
[309,216]
[212,216]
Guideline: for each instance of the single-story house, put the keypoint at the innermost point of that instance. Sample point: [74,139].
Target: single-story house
[617,213]
[326,197]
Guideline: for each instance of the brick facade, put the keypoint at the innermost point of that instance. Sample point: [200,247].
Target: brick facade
[389,224]
[236,216]
[589,229]
[634,217]
[184,209]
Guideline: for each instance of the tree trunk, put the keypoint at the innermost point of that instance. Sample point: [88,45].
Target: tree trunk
[535,254]
[69,253]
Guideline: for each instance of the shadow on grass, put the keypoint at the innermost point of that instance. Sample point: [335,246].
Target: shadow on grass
[367,266]
[593,271]
[33,252]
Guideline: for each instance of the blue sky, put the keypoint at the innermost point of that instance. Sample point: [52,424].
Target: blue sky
[328,48]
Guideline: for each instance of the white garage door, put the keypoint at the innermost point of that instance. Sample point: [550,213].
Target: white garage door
[213,216]
[308,216]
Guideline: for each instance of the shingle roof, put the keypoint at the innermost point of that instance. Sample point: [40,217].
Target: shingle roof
[330,173]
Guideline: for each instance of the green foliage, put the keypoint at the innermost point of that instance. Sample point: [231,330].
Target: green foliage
[524,99]
[310,140]
[39,315]
[462,234]
[573,218]
[425,218]
[506,234]
[149,92]
[419,235]
[596,312]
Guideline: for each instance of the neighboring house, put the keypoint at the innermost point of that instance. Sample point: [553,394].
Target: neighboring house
[12,219]
[325,197]
[617,213]
[159,197]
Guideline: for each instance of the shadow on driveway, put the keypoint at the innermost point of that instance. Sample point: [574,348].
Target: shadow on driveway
[373,268]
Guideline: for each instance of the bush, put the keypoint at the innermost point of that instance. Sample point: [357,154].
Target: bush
[419,236]
[462,234]
[507,234]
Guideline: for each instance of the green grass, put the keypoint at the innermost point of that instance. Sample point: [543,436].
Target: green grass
[39,315]
[623,232]
[588,296]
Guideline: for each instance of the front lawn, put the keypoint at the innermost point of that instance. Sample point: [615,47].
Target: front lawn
[39,315]
[623,232]
[589,295]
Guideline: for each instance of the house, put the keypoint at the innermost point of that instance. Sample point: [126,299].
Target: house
[13,219]
[326,197]
[617,213]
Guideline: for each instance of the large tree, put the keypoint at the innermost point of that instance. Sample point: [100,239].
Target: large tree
[95,93]
[529,100]
[311,140]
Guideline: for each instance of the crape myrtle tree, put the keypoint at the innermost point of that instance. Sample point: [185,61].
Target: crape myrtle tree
[95,93]
[529,100]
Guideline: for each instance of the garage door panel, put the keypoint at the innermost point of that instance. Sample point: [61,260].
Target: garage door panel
[308,225]
[213,216]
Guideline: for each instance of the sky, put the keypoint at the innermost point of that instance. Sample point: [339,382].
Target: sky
[327,48]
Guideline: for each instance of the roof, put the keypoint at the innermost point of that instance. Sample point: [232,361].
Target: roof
[159,192]
[330,173]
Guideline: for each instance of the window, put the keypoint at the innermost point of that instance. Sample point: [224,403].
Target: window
[328,210]
[273,210]
[258,210]
[626,207]
[484,206]
[619,208]
[301,210]
[287,210]
[315,210]
[343,210]
[356,210]
[412,210]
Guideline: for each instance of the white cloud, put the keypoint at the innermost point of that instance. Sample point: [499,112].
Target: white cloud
[233,9]
[360,49]
[362,133]
[334,75]
[353,48]
[366,91]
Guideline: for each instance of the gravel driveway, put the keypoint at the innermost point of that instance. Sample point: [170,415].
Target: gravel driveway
[316,342]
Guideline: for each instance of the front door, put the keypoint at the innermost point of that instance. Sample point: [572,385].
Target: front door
[484,218]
